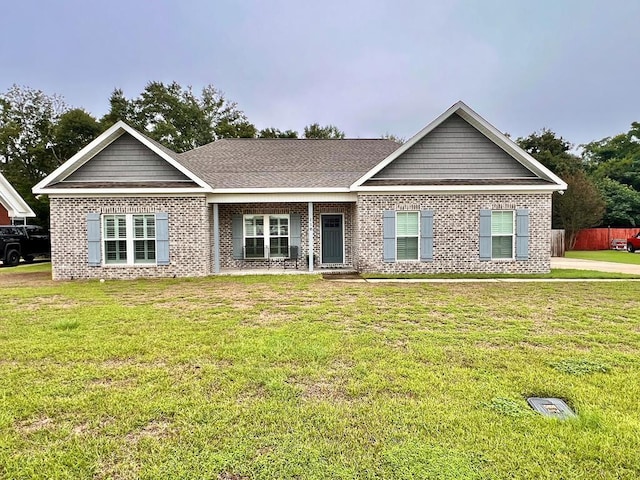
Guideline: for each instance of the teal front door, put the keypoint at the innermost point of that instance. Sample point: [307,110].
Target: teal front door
[332,239]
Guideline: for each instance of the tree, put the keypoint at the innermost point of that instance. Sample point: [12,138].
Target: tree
[178,118]
[121,109]
[616,157]
[327,132]
[392,137]
[622,203]
[552,151]
[581,206]
[27,122]
[277,133]
[74,130]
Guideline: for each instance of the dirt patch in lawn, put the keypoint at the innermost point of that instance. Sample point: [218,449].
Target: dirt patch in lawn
[27,279]
[155,429]
[35,425]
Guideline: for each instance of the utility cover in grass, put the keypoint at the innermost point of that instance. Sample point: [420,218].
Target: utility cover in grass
[551,407]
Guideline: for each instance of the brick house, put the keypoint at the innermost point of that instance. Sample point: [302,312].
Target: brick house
[459,196]
[13,208]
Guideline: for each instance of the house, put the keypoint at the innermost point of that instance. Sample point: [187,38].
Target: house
[13,209]
[459,196]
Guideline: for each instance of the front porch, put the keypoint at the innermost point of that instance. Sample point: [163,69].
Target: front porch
[283,237]
[288,271]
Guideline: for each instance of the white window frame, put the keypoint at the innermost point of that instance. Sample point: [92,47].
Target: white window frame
[417,236]
[129,240]
[266,233]
[512,235]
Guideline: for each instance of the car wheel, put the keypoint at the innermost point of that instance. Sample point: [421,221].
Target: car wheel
[28,258]
[630,248]
[12,258]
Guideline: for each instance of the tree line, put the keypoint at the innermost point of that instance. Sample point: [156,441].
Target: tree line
[603,179]
[39,132]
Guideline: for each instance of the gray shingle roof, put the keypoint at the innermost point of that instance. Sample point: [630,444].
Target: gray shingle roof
[285,163]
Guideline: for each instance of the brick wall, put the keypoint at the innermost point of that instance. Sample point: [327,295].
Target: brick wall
[456,232]
[227,211]
[189,236]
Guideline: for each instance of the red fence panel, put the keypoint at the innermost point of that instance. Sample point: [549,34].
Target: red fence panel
[600,238]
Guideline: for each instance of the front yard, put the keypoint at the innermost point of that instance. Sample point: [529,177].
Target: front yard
[297,377]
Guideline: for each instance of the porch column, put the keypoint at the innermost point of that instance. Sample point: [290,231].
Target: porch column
[310,236]
[216,239]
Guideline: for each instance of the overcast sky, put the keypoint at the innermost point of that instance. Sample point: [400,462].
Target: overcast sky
[369,67]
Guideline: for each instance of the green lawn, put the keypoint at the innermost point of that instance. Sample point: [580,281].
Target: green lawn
[296,377]
[617,256]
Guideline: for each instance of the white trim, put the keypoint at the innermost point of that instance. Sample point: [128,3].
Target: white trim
[459,189]
[74,192]
[12,201]
[100,143]
[322,214]
[281,197]
[493,134]
[280,190]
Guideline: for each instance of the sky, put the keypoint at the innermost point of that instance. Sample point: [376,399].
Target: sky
[369,67]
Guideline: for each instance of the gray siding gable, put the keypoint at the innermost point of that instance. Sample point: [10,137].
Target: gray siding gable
[454,150]
[126,160]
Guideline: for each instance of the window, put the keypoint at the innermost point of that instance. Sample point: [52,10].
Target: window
[266,243]
[254,236]
[407,235]
[129,239]
[502,232]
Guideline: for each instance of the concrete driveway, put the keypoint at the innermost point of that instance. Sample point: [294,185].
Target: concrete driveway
[574,263]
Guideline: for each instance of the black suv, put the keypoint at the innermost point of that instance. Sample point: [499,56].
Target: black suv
[26,241]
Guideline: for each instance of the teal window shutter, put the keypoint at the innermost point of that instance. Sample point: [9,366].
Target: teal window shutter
[426,235]
[389,236]
[485,235]
[236,233]
[296,230]
[94,239]
[162,238]
[522,234]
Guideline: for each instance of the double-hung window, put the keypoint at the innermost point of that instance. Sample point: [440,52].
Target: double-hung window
[279,235]
[502,234]
[407,235]
[261,242]
[129,239]
[254,236]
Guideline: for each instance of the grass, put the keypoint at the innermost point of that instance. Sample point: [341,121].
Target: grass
[296,377]
[558,273]
[616,256]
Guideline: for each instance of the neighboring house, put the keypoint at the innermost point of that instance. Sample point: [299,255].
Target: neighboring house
[13,209]
[457,197]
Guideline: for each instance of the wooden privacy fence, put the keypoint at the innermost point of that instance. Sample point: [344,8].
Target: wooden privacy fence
[600,238]
[557,243]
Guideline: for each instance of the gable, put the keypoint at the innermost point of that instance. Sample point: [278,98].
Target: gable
[11,202]
[126,160]
[454,150]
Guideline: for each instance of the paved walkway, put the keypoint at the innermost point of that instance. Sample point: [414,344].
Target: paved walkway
[577,264]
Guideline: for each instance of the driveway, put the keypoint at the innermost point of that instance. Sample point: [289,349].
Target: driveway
[578,264]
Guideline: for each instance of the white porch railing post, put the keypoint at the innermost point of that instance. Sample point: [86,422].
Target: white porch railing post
[216,239]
